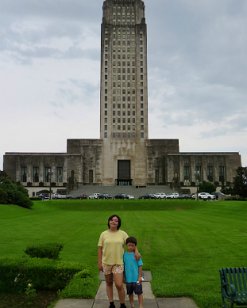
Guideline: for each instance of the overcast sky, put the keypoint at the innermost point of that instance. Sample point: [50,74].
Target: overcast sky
[50,66]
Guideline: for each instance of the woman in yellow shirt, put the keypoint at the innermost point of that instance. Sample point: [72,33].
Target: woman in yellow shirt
[110,258]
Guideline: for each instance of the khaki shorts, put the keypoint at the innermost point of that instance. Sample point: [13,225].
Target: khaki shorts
[113,269]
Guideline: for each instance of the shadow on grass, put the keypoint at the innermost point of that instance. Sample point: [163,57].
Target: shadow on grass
[42,300]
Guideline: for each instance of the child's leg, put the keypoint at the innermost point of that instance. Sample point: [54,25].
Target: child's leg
[140,300]
[131,299]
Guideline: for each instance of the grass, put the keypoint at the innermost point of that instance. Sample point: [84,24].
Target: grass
[183,243]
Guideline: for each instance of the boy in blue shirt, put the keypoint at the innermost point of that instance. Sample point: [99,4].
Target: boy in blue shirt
[133,272]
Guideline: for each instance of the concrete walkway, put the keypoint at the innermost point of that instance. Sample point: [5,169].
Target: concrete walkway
[150,301]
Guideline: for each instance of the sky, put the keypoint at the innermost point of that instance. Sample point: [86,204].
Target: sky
[50,73]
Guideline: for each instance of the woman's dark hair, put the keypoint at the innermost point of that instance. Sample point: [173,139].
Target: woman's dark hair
[119,221]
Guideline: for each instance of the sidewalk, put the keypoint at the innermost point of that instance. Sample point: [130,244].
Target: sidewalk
[150,301]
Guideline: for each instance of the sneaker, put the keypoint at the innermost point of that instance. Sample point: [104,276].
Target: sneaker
[123,306]
[112,305]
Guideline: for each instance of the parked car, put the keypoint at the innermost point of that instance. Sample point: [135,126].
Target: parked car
[104,196]
[121,196]
[147,196]
[94,196]
[219,195]
[160,195]
[131,197]
[82,196]
[185,196]
[173,196]
[204,196]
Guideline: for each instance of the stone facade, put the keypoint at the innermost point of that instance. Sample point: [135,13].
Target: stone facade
[123,155]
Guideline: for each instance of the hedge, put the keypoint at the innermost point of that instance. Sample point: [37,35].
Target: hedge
[83,284]
[43,274]
[47,250]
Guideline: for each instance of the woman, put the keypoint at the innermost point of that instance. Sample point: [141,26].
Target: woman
[110,258]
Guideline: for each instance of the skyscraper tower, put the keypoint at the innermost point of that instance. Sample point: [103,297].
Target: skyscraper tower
[123,97]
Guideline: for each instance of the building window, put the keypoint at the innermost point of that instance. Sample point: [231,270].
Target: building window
[23,174]
[210,173]
[222,174]
[36,174]
[47,174]
[186,172]
[198,173]
[59,174]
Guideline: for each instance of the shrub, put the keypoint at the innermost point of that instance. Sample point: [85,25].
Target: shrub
[44,274]
[83,284]
[13,193]
[49,250]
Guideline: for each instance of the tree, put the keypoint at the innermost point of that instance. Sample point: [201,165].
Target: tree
[240,182]
[207,187]
[12,192]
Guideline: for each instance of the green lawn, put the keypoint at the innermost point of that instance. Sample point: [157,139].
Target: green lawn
[183,243]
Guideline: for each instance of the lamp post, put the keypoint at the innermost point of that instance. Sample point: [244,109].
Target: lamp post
[49,177]
[197,176]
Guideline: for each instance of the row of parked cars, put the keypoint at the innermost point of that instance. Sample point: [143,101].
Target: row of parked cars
[146,196]
[174,195]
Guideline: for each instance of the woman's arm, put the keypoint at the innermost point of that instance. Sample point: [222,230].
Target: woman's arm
[137,254]
[100,266]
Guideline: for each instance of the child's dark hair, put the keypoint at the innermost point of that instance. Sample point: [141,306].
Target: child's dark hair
[131,240]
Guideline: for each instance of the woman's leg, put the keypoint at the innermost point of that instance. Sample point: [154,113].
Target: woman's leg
[109,286]
[118,279]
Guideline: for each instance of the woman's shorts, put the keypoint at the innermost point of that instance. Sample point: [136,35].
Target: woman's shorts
[113,269]
[134,287]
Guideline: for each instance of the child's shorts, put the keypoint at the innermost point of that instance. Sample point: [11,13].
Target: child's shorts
[134,287]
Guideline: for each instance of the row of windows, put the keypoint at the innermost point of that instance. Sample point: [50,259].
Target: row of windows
[46,176]
[123,106]
[199,174]
[128,50]
[124,98]
[124,127]
[118,85]
[124,135]
[124,120]
[123,63]
[124,77]
[124,91]
[117,32]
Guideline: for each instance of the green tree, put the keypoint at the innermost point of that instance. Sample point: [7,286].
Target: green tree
[240,182]
[12,192]
[207,187]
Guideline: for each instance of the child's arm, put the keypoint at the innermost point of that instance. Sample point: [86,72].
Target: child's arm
[140,274]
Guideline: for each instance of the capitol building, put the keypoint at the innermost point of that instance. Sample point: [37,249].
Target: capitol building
[123,155]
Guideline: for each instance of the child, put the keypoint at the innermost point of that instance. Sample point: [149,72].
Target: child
[133,272]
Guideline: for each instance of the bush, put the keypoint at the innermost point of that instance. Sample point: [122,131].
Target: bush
[83,284]
[43,274]
[49,250]
[13,193]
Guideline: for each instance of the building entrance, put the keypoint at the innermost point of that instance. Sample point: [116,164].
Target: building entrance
[124,174]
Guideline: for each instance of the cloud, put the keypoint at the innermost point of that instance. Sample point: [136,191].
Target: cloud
[50,66]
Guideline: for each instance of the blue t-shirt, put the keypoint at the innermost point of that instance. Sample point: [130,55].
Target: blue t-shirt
[131,267]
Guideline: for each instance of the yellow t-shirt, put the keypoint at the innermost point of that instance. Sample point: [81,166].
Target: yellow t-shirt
[112,243]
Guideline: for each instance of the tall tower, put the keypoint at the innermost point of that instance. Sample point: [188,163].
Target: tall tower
[123,97]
